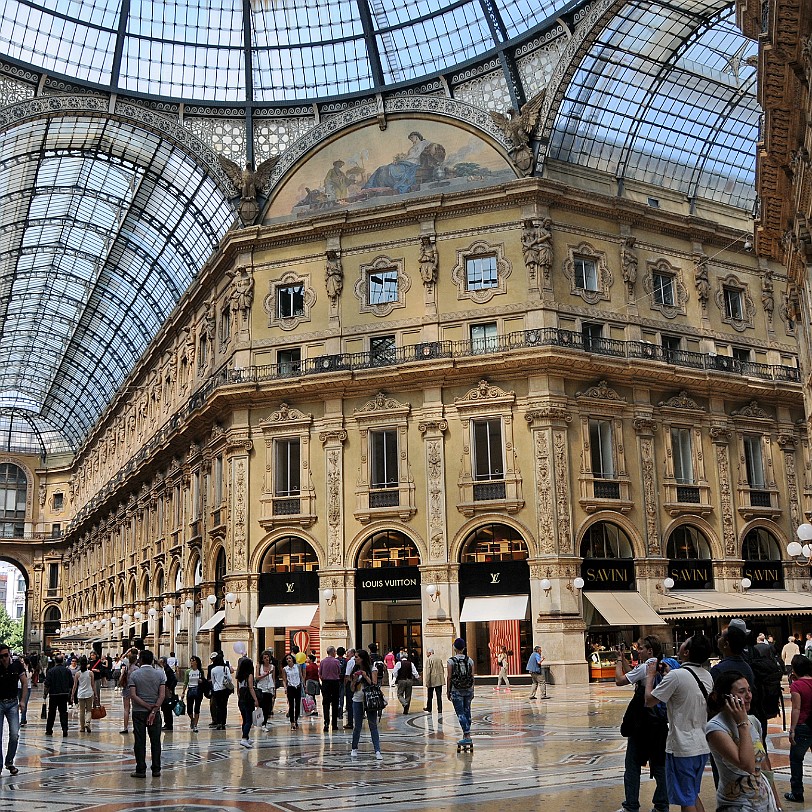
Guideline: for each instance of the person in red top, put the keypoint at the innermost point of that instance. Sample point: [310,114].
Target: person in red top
[312,685]
[389,660]
[800,729]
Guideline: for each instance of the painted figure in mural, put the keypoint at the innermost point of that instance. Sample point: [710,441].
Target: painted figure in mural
[406,172]
[336,183]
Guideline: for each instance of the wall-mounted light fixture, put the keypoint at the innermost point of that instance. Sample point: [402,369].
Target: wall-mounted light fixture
[329,596]
[231,599]
[432,591]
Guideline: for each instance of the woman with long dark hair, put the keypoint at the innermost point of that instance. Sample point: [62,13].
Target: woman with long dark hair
[220,676]
[359,679]
[83,692]
[265,681]
[193,684]
[800,729]
[292,680]
[247,700]
[734,738]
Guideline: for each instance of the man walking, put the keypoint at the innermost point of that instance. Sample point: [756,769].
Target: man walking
[12,676]
[58,686]
[536,671]
[434,674]
[330,676]
[348,669]
[147,694]
[460,687]
[685,693]
[787,653]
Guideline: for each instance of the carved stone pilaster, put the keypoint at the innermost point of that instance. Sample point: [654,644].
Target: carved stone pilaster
[721,437]
[545,504]
[334,466]
[645,428]
[561,467]
[787,444]
[239,508]
[432,431]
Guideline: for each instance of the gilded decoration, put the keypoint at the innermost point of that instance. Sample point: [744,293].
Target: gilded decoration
[285,311]
[480,250]
[382,302]
[748,307]
[585,251]
[679,293]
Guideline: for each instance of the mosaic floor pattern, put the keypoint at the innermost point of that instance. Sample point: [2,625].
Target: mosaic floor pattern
[565,752]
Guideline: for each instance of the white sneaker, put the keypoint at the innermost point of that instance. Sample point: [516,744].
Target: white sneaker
[354,753]
[246,743]
[378,755]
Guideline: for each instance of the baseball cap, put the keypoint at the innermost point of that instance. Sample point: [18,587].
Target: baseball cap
[738,623]
[459,644]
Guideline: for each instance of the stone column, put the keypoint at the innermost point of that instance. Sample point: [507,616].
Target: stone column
[720,436]
[436,530]
[645,427]
[335,612]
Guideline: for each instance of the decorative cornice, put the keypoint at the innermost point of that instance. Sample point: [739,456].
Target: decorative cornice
[752,410]
[601,391]
[680,401]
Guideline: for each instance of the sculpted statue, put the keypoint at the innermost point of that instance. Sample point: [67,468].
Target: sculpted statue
[210,319]
[333,276]
[701,282]
[248,180]
[628,261]
[242,291]
[428,260]
[767,299]
[518,128]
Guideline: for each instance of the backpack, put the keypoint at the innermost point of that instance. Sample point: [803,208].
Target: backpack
[383,672]
[462,677]
[768,674]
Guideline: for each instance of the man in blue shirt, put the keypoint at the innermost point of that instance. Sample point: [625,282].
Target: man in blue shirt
[536,669]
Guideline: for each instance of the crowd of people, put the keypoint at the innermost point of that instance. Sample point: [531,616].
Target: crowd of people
[683,714]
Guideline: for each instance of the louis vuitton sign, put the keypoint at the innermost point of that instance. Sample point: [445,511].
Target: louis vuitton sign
[608,574]
[288,587]
[387,583]
[494,578]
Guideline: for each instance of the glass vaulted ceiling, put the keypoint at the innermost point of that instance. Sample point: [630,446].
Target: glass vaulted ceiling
[104,224]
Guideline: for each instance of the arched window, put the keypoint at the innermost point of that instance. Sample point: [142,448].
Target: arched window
[13,492]
[158,588]
[606,540]
[198,573]
[220,569]
[290,554]
[760,545]
[687,542]
[493,542]
[51,620]
[389,548]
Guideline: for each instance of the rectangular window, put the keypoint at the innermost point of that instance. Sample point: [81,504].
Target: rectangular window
[218,480]
[681,454]
[663,289]
[480,273]
[382,350]
[484,338]
[290,301]
[59,501]
[53,576]
[203,352]
[19,612]
[287,466]
[487,450]
[733,303]
[591,333]
[384,454]
[289,362]
[382,286]
[600,449]
[586,274]
[754,462]
[195,496]
[177,507]
[56,530]
[741,354]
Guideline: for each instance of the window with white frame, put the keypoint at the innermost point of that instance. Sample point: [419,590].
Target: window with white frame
[754,462]
[290,301]
[662,288]
[733,303]
[289,361]
[383,446]
[681,453]
[287,466]
[481,272]
[487,449]
[382,286]
[586,274]
[600,449]
[484,337]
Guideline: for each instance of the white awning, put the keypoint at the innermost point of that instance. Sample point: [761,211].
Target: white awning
[624,609]
[292,615]
[217,617]
[706,603]
[500,607]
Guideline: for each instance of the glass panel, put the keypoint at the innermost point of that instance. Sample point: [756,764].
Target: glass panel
[488,449]
[586,274]
[480,273]
[384,473]
[663,289]
[484,338]
[288,467]
[754,462]
[681,454]
[290,300]
[382,287]
[600,448]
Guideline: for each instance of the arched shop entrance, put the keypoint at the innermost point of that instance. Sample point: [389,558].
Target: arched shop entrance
[288,597]
[387,594]
[51,627]
[690,566]
[614,610]
[495,597]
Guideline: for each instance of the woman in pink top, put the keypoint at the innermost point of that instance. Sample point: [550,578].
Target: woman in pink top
[389,661]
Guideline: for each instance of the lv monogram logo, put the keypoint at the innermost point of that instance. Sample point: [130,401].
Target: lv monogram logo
[289,587]
[495,576]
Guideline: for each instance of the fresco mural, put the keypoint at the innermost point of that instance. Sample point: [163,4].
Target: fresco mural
[367,165]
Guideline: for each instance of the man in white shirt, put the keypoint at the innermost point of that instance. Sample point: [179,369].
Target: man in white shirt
[685,693]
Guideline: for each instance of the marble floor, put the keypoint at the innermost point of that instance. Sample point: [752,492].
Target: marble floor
[565,752]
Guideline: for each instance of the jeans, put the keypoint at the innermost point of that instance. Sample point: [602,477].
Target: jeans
[502,677]
[140,732]
[437,691]
[329,699]
[538,681]
[405,692]
[372,720]
[797,751]
[631,780]
[57,702]
[10,711]
[341,693]
[247,713]
[461,700]
[24,714]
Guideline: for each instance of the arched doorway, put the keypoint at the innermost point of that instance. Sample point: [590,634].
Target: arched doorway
[51,627]
[761,554]
[495,597]
[288,597]
[690,566]
[388,608]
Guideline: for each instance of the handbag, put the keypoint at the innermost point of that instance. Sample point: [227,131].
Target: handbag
[98,712]
[312,687]
[43,714]
[179,708]
[374,700]
[308,704]
[228,683]
[257,717]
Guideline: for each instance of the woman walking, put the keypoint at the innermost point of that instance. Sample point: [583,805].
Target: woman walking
[265,681]
[502,660]
[247,700]
[84,693]
[800,730]
[193,691]
[292,681]
[734,738]
[221,689]
[360,678]
[312,683]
